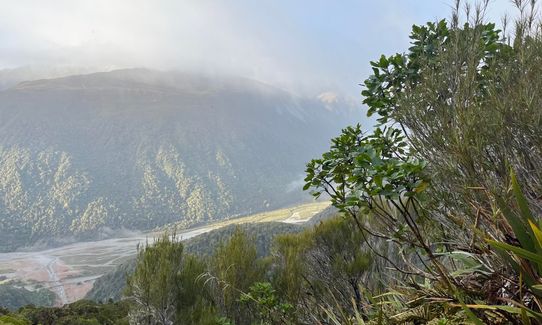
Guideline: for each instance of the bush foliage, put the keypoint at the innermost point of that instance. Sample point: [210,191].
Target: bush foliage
[439,205]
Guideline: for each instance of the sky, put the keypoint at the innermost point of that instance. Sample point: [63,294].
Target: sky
[303,46]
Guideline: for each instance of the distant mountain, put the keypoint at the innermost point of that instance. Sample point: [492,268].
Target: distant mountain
[12,77]
[87,155]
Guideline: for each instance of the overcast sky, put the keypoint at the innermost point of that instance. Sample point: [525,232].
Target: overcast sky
[305,46]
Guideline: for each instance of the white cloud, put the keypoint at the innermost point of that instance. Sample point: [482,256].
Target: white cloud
[328,97]
[148,33]
[309,45]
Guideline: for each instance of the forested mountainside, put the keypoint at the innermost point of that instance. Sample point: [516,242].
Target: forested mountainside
[13,296]
[83,155]
[111,285]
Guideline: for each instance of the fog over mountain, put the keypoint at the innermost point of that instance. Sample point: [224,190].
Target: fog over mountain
[12,77]
[84,155]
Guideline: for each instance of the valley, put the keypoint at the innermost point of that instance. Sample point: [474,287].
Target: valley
[70,270]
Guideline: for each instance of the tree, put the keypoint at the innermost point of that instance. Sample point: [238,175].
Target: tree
[456,113]
[268,307]
[324,266]
[166,286]
[194,302]
[235,267]
[154,288]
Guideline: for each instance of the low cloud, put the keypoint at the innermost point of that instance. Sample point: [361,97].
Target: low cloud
[310,47]
[296,185]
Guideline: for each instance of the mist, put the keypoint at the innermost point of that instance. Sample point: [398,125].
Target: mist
[306,47]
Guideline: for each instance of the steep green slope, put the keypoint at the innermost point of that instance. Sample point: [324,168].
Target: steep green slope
[323,215]
[14,297]
[111,285]
[262,234]
[84,156]
[81,312]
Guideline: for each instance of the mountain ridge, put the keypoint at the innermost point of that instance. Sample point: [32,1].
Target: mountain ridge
[81,155]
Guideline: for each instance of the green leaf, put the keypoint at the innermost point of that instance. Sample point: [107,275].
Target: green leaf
[520,198]
[537,233]
[521,252]
[520,230]
[537,289]
[509,309]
